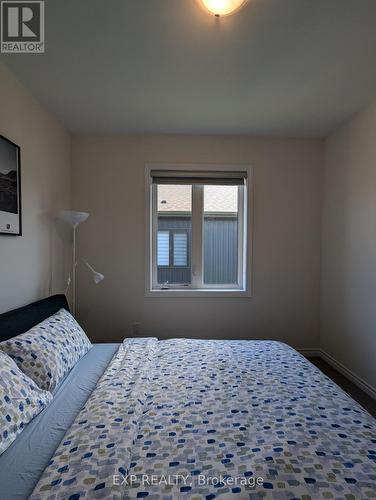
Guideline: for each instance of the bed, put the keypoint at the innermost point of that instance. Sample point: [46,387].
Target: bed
[185,418]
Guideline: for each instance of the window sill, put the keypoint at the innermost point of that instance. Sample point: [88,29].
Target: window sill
[189,293]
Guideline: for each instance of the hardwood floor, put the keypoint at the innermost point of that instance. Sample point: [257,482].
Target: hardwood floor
[361,397]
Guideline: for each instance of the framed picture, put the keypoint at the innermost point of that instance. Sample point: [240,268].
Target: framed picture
[10,188]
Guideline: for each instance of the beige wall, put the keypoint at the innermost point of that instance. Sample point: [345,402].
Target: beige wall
[29,263]
[348,292]
[108,181]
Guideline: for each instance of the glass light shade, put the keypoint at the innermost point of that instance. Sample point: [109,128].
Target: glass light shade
[97,277]
[222,7]
[73,218]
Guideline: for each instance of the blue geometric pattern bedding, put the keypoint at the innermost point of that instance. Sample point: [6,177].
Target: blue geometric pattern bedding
[48,351]
[203,419]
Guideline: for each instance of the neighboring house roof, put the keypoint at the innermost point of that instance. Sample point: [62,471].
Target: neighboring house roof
[217,199]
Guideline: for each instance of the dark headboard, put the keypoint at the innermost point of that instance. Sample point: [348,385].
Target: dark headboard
[13,323]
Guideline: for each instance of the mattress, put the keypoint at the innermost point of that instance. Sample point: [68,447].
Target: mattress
[204,419]
[22,464]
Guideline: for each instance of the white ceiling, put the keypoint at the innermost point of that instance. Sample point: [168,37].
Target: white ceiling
[277,67]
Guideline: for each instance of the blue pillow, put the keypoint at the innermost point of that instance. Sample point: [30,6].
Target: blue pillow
[20,400]
[48,351]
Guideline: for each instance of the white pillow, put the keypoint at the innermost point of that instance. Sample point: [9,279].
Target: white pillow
[20,401]
[48,351]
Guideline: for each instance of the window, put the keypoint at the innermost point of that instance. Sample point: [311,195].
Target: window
[163,248]
[198,232]
[221,221]
[180,249]
[172,248]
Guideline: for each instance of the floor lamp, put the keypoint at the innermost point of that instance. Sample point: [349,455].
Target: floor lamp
[74,219]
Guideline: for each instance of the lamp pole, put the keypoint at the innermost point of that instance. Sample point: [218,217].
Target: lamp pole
[74,219]
[74,271]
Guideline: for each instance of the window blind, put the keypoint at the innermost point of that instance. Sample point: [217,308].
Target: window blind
[220,178]
[180,249]
[163,248]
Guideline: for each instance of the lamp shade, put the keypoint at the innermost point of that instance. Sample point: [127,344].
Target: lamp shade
[222,7]
[97,277]
[73,218]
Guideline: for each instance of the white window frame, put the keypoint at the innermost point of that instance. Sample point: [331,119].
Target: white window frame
[197,288]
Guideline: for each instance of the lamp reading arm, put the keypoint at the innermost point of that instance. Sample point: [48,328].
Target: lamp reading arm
[97,277]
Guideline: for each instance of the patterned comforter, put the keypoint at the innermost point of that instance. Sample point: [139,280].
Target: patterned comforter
[204,419]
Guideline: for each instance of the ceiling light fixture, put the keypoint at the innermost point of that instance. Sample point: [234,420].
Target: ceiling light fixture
[223,7]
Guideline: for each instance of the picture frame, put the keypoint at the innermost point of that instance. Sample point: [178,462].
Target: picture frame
[10,188]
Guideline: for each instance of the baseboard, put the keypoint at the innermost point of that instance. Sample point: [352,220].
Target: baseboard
[362,384]
[311,352]
[355,379]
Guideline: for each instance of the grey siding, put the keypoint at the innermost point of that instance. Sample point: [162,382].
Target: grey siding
[220,250]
